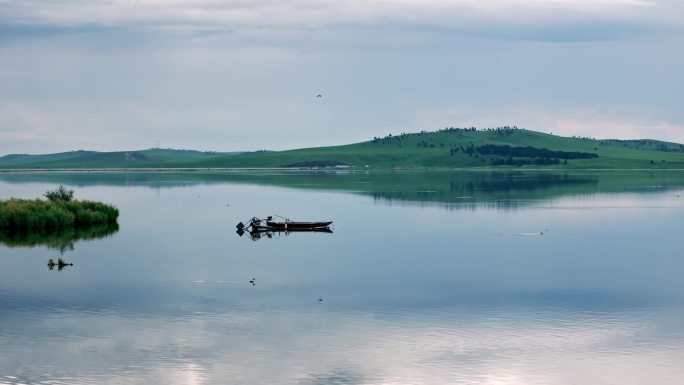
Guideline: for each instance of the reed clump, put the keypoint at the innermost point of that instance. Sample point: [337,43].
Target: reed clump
[57,213]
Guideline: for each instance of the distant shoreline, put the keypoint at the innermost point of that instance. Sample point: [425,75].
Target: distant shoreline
[503,148]
[289,169]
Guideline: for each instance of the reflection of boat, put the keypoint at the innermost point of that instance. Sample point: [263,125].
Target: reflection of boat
[258,234]
[312,230]
[268,225]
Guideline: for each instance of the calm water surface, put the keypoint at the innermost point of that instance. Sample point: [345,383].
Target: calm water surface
[427,279]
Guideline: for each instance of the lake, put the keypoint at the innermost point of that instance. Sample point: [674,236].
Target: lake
[427,278]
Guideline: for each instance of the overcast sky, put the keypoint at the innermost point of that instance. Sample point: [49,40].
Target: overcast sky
[244,74]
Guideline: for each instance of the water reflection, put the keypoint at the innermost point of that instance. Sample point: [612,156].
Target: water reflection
[456,345]
[402,293]
[256,235]
[62,240]
[449,189]
[60,264]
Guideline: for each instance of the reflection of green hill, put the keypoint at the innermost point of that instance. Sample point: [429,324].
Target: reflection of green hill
[63,240]
[500,189]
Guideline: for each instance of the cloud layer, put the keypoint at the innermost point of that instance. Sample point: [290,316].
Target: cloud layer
[233,75]
[498,18]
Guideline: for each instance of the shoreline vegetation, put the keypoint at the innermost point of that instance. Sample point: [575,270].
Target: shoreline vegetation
[451,148]
[241,170]
[34,220]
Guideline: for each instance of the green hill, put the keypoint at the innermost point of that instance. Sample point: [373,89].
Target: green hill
[156,158]
[504,147]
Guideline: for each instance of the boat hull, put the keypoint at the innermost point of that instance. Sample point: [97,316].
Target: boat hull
[294,226]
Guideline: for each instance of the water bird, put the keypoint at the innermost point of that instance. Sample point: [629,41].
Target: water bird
[319,96]
[320,299]
[252,281]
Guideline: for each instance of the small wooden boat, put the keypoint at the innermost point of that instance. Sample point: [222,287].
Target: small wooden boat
[268,224]
[291,226]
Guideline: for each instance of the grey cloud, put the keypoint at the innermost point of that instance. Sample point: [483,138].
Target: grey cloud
[508,19]
[240,75]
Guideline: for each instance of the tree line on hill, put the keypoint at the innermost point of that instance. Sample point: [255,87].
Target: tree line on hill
[499,131]
[642,144]
[532,152]
[519,156]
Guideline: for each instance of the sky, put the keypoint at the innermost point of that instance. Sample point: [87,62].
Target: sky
[244,75]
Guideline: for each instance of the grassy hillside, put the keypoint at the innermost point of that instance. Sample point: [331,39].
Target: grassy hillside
[449,148]
[117,159]
[21,160]
[456,148]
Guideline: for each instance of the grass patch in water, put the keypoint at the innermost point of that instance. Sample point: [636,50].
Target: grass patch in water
[59,212]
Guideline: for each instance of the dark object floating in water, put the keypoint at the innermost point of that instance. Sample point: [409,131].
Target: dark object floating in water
[319,96]
[268,226]
[61,264]
[253,281]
